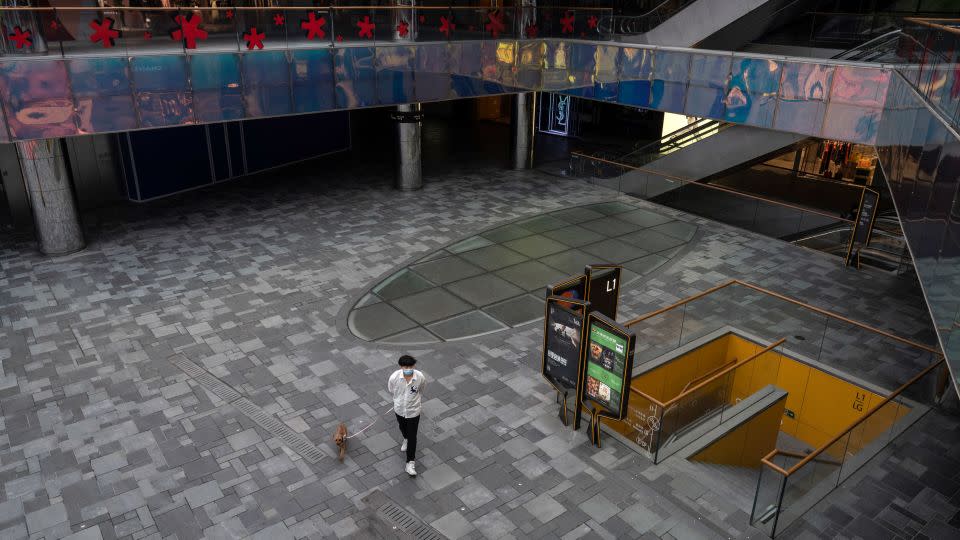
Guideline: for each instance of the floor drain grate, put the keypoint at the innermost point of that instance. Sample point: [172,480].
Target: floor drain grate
[295,441]
[399,519]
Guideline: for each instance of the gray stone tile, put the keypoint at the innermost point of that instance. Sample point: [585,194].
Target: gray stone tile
[544,507]
[411,337]
[611,207]
[652,241]
[440,476]
[474,495]
[484,289]
[453,525]
[644,218]
[205,493]
[645,264]
[46,518]
[599,508]
[610,227]
[541,223]
[577,215]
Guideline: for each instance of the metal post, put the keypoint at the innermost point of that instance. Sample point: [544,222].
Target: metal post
[523,110]
[49,189]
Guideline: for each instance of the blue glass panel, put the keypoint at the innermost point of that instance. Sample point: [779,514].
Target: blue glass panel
[803,95]
[670,72]
[36,99]
[314,83]
[356,78]
[752,92]
[851,123]
[583,68]
[394,67]
[465,58]
[607,75]
[266,83]
[216,87]
[101,91]
[432,79]
[556,66]
[464,86]
[856,98]
[636,67]
[708,84]
[161,90]
[529,64]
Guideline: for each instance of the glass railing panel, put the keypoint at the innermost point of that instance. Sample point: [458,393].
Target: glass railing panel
[394,67]
[752,92]
[309,28]
[698,408]
[670,76]
[266,83]
[766,502]
[658,335]
[97,110]
[802,102]
[708,84]
[807,485]
[856,101]
[314,83]
[427,24]
[261,29]
[642,424]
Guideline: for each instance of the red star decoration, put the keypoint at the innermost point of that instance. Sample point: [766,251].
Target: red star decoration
[447,26]
[314,26]
[20,38]
[532,31]
[279,20]
[147,35]
[422,18]
[495,26]
[403,28]
[103,32]
[592,22]
[189,30]
[254,39]
[566,23]
[339,38]
[366,27]
[230,14]
[54,25]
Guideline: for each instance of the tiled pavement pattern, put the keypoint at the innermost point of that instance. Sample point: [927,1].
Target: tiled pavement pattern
[495,279]
[104,437]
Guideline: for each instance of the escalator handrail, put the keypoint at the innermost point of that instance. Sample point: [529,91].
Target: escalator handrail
[867,45]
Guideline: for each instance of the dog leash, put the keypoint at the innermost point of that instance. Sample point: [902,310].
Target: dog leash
[375,418]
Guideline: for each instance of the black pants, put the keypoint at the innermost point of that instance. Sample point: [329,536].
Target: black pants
[408,428]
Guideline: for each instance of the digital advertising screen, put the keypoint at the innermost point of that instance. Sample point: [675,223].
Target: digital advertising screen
[609,364]
[575,289]
[562,344]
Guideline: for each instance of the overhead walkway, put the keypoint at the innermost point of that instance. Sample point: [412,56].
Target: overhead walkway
[199,67]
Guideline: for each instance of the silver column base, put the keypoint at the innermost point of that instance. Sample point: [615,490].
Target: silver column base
[409,174]
[47,179]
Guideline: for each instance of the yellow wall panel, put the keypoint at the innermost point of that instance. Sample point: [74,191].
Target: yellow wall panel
[792,377]
[748,443]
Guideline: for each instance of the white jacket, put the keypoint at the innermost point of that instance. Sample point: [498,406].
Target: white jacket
[406,395]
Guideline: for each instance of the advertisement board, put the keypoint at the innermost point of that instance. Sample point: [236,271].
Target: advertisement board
[562,344]
[609,364]
[863,226]
[574,288]
[603,288]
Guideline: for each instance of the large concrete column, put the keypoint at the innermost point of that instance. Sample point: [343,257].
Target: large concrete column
[47,179]
[522,113]
[409,175]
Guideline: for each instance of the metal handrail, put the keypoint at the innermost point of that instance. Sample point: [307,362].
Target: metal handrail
[288,8]
[794,301]
[853,425]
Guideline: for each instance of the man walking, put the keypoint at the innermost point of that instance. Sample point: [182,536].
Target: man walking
[406,385]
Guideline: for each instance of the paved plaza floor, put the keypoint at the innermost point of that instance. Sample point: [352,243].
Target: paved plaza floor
[248,287]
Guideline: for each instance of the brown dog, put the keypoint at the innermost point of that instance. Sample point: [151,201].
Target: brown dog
[340,439]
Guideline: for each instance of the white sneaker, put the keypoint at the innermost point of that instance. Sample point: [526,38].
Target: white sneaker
[403,447]
[411,468]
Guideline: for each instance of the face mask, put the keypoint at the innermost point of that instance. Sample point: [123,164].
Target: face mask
[408,372]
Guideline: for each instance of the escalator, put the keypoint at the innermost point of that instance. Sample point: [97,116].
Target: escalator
[879,49]
[689,23]
[886,250]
